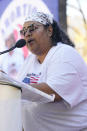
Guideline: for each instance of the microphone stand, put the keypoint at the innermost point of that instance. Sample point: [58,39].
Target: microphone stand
[20,43]
[8,50]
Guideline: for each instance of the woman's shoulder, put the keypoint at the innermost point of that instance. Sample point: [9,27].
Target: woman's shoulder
[62,49]
[65,49]
[65,52]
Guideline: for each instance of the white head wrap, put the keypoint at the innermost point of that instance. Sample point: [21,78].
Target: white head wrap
[41,17]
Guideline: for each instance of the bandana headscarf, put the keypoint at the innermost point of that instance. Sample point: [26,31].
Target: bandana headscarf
[41,17]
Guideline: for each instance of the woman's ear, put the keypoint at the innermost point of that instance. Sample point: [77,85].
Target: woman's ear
[50,30]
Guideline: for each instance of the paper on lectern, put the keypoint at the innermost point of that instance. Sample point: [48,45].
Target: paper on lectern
[28,92]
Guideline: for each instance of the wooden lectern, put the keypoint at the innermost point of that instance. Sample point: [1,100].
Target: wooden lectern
[10,106]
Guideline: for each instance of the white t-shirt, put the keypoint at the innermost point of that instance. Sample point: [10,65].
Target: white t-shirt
[65,72]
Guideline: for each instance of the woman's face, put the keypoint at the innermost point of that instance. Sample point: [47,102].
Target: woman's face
[38,38]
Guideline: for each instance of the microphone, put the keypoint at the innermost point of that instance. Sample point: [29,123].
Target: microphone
[19,44]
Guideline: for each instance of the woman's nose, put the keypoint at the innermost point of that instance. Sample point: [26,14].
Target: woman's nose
[28,33]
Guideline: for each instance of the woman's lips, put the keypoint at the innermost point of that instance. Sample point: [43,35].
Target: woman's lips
[30,42]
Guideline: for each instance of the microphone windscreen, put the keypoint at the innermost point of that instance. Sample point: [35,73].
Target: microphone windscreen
[20,43]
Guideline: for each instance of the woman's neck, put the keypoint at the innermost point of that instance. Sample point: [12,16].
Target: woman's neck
[42,57]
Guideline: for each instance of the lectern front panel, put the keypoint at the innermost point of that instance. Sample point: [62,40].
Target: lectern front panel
[10,108]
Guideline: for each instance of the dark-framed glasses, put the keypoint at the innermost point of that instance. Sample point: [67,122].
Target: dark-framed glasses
[29,29]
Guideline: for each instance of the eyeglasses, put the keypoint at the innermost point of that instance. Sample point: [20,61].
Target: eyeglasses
[29,29]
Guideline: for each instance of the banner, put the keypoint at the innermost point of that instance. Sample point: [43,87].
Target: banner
[13,12]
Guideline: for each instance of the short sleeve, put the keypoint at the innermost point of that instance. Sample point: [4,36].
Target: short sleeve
[64,79]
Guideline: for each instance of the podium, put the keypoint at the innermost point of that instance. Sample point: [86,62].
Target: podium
[10,101]
[10,107]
